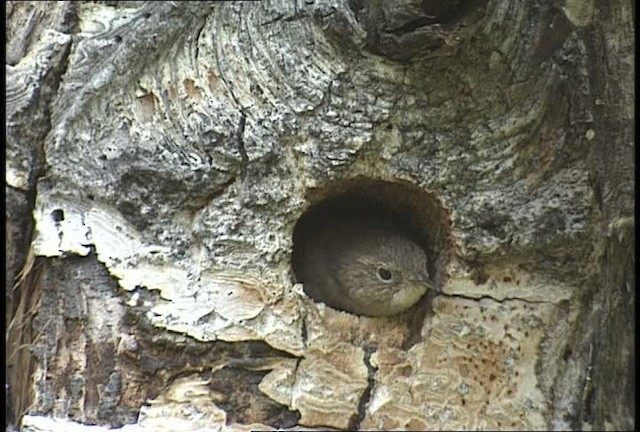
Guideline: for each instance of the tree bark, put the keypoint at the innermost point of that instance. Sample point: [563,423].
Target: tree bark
[159,155]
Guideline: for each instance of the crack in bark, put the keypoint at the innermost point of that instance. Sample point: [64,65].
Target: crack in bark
[504,300]
[244,157]
[366,395]
[241,146]
[413,25]
[243,119]
[588,391]
[23,299]
[325,96]
[304,333]
[297,15]
[196,54]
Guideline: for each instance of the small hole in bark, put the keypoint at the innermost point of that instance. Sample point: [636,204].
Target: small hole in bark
[57,215]
[479,276]
[369,209]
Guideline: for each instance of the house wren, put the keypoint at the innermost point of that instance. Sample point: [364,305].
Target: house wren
[360,264]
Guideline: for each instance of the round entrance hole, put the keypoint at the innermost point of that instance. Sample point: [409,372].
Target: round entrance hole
[371,247]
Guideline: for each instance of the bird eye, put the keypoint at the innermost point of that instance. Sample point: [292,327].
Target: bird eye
[384,274]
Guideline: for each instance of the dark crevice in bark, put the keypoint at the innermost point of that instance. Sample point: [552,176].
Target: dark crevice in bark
[609,394]
[504,300]
[366,395]
[241,146]
[243,402]
[23,297]
[50,82]
[304,333]
[197,40]
[414,25]
[241,124]
[588,392]
[286,18]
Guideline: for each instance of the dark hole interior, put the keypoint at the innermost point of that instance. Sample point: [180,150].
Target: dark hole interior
[419,213]
[57,215]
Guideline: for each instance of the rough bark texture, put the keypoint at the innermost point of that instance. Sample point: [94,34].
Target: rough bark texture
[167,149]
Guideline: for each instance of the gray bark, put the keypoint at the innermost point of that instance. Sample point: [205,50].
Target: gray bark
[167,149]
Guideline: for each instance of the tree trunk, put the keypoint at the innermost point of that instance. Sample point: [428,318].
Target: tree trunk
[166,151]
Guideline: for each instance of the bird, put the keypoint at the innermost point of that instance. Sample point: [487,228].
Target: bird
[359,262]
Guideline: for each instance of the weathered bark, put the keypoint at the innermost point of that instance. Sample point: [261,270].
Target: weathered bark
[167,149]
